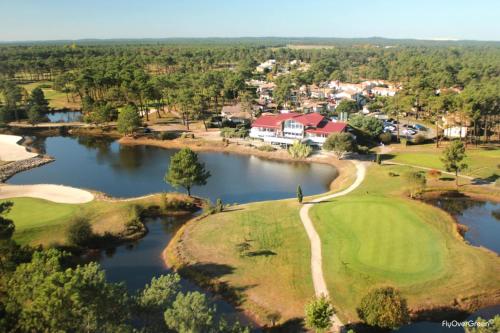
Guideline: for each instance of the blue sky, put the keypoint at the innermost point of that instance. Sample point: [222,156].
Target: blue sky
[75,19]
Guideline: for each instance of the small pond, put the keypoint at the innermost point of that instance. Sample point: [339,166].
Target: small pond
[128,171]
[482,219]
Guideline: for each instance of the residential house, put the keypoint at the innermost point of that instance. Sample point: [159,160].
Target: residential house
[235,114]
[266,66]
[383,91]
[286,128]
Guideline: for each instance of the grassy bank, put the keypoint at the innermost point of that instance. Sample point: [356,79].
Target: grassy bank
[375,236]
[259,249]
[482,161]
[44,222]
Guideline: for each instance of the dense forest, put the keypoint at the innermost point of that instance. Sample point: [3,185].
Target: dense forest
[196,79]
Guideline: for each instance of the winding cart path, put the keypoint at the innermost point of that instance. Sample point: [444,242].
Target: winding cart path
[320,288]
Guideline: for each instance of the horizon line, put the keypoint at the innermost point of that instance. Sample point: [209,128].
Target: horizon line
[430,39]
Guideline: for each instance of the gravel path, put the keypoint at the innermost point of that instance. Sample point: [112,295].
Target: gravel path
[320,288]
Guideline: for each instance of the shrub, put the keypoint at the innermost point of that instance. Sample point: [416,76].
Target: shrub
[339,143]
[299,150]
[383,307]
[363,150]
[419,139]
[392,174]
[268,148]
[318,314]
[187,135]
[167,135]
[80,232]
[170,203]
[417,181]
[386,138]
[434,173]
[228,132]
[134,222]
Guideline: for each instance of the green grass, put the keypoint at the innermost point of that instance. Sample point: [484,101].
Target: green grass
[482,162]
[375,236]
[57,100]
[44,222]
[34,217]
[277,276]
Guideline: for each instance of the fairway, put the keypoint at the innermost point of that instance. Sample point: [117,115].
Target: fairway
[35,216]
[274,274]
[372,239]
[482,162]
[44,222]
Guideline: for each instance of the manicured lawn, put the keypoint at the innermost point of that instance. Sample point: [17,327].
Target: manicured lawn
[44,222]
[374,236]
[482,162]
[37,216]
[57,100]
[275,274]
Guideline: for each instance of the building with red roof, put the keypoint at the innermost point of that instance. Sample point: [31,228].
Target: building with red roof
[285,128]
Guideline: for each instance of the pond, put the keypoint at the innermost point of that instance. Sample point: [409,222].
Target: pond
[482,219]
[64,116]
[128,171]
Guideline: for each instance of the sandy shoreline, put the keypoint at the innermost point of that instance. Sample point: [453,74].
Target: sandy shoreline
[54,193]
[10,150]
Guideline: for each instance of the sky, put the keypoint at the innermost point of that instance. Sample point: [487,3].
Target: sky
[78,19]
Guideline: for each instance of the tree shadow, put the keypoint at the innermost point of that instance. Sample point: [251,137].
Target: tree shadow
[486,180]
[293,325]
[210,270]
[263,253]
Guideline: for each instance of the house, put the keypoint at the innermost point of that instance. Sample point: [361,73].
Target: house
[455,125]
[382,91]
[266,66]
[235,114]
[286,128]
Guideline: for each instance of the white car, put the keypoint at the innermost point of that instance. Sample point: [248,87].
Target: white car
[408,132]
[389,128]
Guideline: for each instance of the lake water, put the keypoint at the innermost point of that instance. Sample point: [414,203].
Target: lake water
[64,116]
[481,217]
[129,171]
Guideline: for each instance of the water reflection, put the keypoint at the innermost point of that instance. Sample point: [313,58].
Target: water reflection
[64,116]
[480,217]
[128,171]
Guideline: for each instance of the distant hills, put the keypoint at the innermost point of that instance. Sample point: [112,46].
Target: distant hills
[265,41]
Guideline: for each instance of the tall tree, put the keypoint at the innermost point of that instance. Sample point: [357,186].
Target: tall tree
[453,158]
[186,171]
[128,120]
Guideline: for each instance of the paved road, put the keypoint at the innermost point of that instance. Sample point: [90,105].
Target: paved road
[320,288]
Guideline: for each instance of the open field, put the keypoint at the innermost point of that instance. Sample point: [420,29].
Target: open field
[273,273]
[374,236]
[57,100]
[483,161]
[44,222]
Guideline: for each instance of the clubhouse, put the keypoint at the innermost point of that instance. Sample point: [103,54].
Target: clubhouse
[286,128]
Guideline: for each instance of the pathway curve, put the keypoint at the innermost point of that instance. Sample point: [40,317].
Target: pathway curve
[320,288]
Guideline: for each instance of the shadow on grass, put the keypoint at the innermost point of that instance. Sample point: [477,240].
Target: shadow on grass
[293,325]
[487,180]
[263,253]
[207,276]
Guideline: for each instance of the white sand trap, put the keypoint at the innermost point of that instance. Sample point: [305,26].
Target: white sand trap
[55,193]
[11,151]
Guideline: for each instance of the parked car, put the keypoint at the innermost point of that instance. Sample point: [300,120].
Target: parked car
[408,132]
[389,128]
[420,127]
